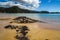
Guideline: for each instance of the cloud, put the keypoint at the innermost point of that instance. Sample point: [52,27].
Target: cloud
[26,4]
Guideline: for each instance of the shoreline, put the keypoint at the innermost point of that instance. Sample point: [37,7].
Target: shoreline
[5,18]
[38,31]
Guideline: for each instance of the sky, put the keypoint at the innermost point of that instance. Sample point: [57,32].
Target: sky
[38,5]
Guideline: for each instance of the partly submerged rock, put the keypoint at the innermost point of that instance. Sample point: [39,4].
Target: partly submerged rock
[24,19]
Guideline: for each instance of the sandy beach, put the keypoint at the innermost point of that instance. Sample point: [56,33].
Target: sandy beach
[38,31]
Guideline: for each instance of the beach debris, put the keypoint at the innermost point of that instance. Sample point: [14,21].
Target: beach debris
[23,19]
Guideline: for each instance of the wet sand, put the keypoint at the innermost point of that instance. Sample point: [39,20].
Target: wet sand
[38,31]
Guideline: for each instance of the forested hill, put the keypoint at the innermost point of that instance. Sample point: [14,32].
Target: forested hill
[16,9]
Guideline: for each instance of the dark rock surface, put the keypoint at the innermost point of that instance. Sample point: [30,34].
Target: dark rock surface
[23,19]
[23,30]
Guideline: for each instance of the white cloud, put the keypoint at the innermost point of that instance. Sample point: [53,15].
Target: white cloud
[34,3]
[26,4]
[6,4]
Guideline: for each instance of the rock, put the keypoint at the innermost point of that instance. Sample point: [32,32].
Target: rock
[24,19]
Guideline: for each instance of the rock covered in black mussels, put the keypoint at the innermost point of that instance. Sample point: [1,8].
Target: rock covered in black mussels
[23,19]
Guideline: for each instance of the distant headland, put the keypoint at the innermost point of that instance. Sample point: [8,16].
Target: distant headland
[16,9]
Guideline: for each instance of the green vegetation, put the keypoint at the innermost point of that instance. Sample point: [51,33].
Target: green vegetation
[44,12]
[16,9]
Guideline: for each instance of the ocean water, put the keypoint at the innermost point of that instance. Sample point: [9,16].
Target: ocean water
[50,18]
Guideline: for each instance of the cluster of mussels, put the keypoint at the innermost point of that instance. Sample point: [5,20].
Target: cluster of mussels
[23,19]
[23,30]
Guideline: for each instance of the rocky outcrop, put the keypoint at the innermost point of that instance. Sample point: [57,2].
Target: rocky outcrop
[23,30]
[24,19]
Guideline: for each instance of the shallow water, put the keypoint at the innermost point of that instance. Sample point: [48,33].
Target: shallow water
[50,18]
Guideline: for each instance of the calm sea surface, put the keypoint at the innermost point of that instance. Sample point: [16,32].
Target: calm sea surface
[51,18]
